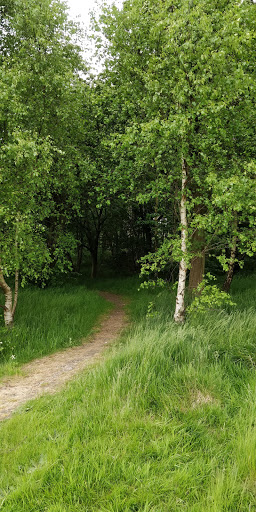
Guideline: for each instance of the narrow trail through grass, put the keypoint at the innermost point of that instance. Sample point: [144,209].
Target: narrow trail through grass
[165,422]
[47,374]
[48,320]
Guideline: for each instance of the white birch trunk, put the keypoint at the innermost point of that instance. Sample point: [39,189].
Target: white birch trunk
[8,314]
[9,307]
[179,315]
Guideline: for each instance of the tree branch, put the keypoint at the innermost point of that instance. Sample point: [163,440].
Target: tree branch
[15,291]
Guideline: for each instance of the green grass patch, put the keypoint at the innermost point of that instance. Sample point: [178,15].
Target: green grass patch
[48,320]
[167,423]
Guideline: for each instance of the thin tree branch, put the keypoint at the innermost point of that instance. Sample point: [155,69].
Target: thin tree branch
[16,289]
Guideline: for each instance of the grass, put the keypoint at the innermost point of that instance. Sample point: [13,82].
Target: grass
[166,424]
[48,320]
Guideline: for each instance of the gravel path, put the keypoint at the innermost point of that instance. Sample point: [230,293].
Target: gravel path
[48,374]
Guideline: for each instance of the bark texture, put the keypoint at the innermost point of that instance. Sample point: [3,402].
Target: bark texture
[179,315]
[94,269]
[9,306]
[79,258]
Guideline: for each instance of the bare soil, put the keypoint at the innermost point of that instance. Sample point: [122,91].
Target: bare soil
[48,374]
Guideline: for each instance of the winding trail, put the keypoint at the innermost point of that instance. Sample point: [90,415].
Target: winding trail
[49,373]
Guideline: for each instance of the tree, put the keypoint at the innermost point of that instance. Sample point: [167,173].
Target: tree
[186,72]
[39,74]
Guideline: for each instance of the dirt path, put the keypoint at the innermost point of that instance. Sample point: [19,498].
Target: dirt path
[48,374]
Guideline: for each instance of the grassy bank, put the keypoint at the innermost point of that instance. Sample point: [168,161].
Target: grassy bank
[48,320]
[166,424]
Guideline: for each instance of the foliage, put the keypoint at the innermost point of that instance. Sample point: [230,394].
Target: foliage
[94,163]
[39,83]
[151,312]
[209,297]
[192,72]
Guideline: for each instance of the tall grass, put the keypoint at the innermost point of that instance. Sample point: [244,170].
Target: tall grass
[166,424]
[48,320]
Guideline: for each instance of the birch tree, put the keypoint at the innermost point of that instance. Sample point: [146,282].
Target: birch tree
[39,74]
[185,71]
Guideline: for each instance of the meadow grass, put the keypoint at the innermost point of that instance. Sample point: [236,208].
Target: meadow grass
[48,320]
[166,424]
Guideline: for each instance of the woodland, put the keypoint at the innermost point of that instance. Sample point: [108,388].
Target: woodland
[149,165]
[139,179]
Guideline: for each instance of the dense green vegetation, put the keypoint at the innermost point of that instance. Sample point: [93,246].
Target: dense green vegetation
[150,164]
[166,423]
[147,168]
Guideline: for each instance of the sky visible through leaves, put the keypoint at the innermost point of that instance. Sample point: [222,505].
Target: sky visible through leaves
[79,10]
[82,8]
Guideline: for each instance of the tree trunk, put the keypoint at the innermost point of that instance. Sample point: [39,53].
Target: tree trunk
[94,270]
[16,289]
[79,258]
[198,262]
[148,238]
[8,314]
[230,272]
[156,224]
[179,315]
[9,307]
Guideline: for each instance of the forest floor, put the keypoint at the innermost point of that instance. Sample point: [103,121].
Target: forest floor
[49,373]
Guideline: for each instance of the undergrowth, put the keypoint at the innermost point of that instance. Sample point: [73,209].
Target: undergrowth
[166,424]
